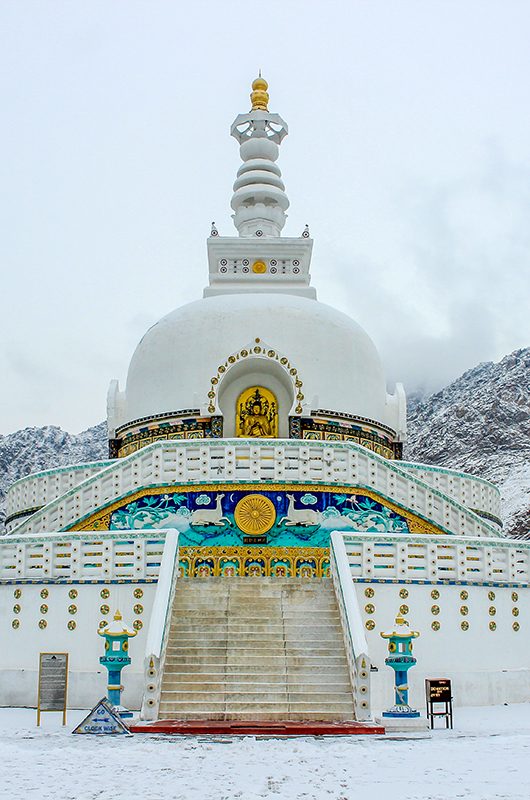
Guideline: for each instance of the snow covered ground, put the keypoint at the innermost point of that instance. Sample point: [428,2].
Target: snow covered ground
[486,757]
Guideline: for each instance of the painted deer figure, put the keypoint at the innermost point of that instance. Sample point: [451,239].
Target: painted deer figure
[210,516]
[304,517]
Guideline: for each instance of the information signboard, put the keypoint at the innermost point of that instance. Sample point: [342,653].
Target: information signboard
[438,690]
[53,683]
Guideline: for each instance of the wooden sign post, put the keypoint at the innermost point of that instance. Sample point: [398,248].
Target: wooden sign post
[439,691]
[53,683]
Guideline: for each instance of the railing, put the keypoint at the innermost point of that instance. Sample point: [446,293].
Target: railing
[240,461]
[352,627]
[468,490]
[34,491]
[88,556]
[383,557]
[159,625]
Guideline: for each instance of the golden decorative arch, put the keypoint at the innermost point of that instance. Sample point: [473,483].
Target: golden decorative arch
[258,349]
[257,413]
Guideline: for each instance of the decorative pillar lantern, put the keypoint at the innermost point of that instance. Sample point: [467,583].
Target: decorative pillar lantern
[400,658]
[116,657]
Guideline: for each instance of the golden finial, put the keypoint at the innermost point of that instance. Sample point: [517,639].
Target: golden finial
[118,616]
[259,96]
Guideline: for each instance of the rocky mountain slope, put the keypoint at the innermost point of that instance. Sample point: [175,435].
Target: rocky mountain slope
[480,423]
[33,449]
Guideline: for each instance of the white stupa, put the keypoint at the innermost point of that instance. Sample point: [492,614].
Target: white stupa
[255,453]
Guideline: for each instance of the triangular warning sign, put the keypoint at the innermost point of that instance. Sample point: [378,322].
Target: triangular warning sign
[102,720]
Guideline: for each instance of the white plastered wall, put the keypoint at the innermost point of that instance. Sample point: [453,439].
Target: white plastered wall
[486,667]
[19,657]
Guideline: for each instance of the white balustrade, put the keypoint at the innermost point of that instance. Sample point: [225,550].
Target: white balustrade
[240,460]
[352,627]
[34,491]
[83,556]
[373,556]
[466,489]
[159,625]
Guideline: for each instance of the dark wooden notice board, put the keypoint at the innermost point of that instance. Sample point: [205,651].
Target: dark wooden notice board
[439,690]
[53,683]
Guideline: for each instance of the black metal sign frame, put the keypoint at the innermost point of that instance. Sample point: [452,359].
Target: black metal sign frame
[438,691]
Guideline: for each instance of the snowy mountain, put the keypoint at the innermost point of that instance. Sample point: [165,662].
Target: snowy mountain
[480,423]
[33,449]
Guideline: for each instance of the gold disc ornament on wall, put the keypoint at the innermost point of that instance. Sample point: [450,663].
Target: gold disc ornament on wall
[255,514]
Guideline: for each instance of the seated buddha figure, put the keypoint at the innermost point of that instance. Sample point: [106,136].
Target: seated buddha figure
[256,423]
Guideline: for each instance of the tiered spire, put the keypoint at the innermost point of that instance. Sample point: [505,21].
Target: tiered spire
[259,200]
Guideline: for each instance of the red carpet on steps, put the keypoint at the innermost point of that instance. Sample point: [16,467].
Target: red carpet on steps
[192,727]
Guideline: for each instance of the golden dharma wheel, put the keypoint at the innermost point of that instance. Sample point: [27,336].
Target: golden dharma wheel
[255,514]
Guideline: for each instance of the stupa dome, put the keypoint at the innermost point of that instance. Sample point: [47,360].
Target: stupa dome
[334,358]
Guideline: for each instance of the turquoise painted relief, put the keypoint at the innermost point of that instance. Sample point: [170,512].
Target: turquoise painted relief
[278,518]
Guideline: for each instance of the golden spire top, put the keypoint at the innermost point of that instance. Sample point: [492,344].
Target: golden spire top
[259,96]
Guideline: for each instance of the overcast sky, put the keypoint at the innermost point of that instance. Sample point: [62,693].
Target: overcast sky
[408,155]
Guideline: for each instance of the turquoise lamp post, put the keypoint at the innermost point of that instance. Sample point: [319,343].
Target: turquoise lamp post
[400,658]
[116,657]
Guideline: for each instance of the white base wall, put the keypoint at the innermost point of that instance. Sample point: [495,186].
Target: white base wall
[469,688]
[87,679]
[486,667]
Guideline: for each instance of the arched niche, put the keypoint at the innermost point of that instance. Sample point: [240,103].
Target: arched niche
[253,372]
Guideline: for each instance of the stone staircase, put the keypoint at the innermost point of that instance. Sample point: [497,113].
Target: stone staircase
[255,649]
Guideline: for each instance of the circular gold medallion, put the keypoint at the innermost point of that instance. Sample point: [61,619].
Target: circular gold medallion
[138,608]
[17,593]
[369,624]
[104,593]
[138,624]
[404,609]
[491,596]
[464,625]
[435,594]
[44,593]
[15,624]
[435,609]
[255,514]
[71,625]
[515,597]
[464,610]
[435,625]
[259,267]
[369,592]
[464,595]
[104,609]
[516,626]
[138,593]
[369,608]
[72,594]
[493,626]
[403,593]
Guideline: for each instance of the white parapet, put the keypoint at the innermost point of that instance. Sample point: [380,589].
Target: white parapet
[352,627]
[284,461]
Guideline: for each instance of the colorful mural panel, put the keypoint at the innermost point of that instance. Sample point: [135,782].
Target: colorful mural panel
[231,517]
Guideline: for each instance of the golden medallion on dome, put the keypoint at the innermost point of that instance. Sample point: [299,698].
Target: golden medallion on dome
[259,267]
[255,514]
